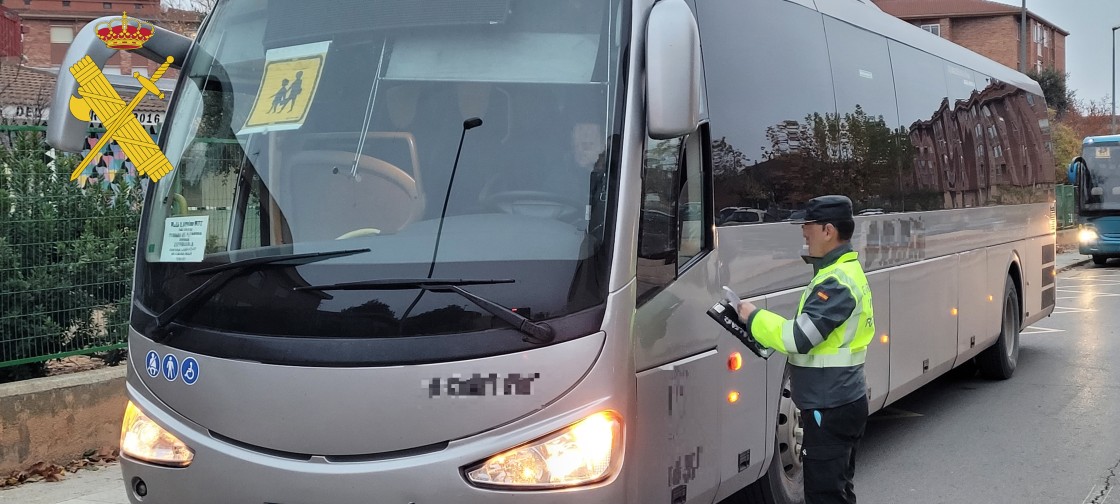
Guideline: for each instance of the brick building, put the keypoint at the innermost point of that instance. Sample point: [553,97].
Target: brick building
[989,28]
[11,46]
[49,27]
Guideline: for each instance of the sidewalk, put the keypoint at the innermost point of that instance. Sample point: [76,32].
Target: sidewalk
[1071,259]
[106,486]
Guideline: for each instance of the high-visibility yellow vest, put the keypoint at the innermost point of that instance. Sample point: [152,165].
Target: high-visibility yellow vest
[844,346]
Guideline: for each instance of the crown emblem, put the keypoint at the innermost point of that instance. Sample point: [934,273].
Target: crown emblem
[124,33]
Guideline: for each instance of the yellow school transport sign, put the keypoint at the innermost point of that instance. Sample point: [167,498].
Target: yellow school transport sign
[291,75]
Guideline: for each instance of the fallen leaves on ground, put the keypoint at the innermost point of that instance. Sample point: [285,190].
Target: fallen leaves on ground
[44,471]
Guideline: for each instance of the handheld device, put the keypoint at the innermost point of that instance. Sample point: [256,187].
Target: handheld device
[726,313]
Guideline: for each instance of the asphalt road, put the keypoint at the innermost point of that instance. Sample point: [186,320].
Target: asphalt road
[1050,434]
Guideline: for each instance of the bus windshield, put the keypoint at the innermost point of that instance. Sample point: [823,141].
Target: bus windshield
[1100,185]
[468,141]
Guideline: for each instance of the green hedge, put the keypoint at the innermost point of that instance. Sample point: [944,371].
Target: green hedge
[66,257]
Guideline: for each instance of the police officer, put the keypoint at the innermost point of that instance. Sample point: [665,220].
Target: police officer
[826,344]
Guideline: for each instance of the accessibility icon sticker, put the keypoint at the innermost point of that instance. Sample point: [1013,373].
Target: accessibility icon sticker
[152,361]
[190,371]
[291,75]
[170,367]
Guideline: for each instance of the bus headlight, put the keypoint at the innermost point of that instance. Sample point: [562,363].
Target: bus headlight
[584,452]
[1087,235]
[143,439]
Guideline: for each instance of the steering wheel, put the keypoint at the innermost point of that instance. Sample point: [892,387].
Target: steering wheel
[368,166]
[358,233]
[536,204]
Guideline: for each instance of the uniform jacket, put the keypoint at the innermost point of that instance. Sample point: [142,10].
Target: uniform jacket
[826,342]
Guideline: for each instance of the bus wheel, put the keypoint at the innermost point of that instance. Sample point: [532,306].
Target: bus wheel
[1099,260]
[783,481]
[998,362]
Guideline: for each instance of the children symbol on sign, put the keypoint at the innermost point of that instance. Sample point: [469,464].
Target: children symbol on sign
[280,97]
[295,90]
[287,95]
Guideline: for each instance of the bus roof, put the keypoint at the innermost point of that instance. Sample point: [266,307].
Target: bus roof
[1101,139]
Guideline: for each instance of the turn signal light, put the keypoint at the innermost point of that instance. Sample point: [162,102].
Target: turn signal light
[143,439]
[735,361]
[584,452]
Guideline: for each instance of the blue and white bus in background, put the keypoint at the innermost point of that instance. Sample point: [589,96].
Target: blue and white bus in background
[1095,175]
[462,251]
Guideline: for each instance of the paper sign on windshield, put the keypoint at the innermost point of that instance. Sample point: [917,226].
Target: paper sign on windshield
[1104,152]
[291,75]
[184,239]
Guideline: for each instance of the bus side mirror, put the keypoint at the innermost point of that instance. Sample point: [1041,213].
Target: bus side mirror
[68,133]
[672,70]
[1077,165]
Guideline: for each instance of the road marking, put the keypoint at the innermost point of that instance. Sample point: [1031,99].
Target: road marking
[1104,498]
[1087,497]
[1066,309]
[1086,286]
[1039,330]
[1089,293]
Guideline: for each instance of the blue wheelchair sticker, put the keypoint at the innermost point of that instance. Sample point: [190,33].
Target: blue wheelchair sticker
[170,367]
[189,371]
[152,361]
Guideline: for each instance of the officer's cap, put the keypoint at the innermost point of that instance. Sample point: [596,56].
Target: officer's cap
[825,209]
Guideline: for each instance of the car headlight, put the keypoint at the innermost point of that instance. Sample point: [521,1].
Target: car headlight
[1087,235]
[584,452]
[143,439]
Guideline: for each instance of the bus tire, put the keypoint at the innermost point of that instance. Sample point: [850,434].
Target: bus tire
[783,482]
[998,361]
[1099,260]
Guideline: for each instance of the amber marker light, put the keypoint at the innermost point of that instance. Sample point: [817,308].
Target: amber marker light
[954,312]
[885,339]
[733,397]
[735,362]
[990,298]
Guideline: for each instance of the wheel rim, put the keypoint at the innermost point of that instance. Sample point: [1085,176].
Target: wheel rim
[790,434]
[1010,324]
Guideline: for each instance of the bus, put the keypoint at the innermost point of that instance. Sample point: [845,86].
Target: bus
[462,250]
[1095,176]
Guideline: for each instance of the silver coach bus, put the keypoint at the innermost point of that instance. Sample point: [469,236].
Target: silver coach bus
[420,251]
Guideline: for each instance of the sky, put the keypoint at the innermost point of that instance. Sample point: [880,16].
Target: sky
[1088,46]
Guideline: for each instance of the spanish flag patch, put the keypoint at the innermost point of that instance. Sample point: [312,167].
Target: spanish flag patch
[822,295]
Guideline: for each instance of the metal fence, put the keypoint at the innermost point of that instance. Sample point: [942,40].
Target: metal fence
[66,250]
[1067,217]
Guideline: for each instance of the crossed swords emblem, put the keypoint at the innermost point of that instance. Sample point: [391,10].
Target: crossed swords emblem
[98,95]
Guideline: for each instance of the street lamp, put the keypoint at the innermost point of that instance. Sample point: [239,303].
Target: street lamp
[1114,28]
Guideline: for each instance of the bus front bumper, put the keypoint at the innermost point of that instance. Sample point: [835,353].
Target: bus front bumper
[224,472]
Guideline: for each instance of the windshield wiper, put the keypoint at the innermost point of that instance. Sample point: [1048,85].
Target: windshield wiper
[228,271]
[536,332]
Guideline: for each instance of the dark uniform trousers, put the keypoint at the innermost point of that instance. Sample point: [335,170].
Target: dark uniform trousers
[829,451]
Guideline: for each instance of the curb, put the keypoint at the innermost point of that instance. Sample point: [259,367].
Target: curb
[1070,266]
